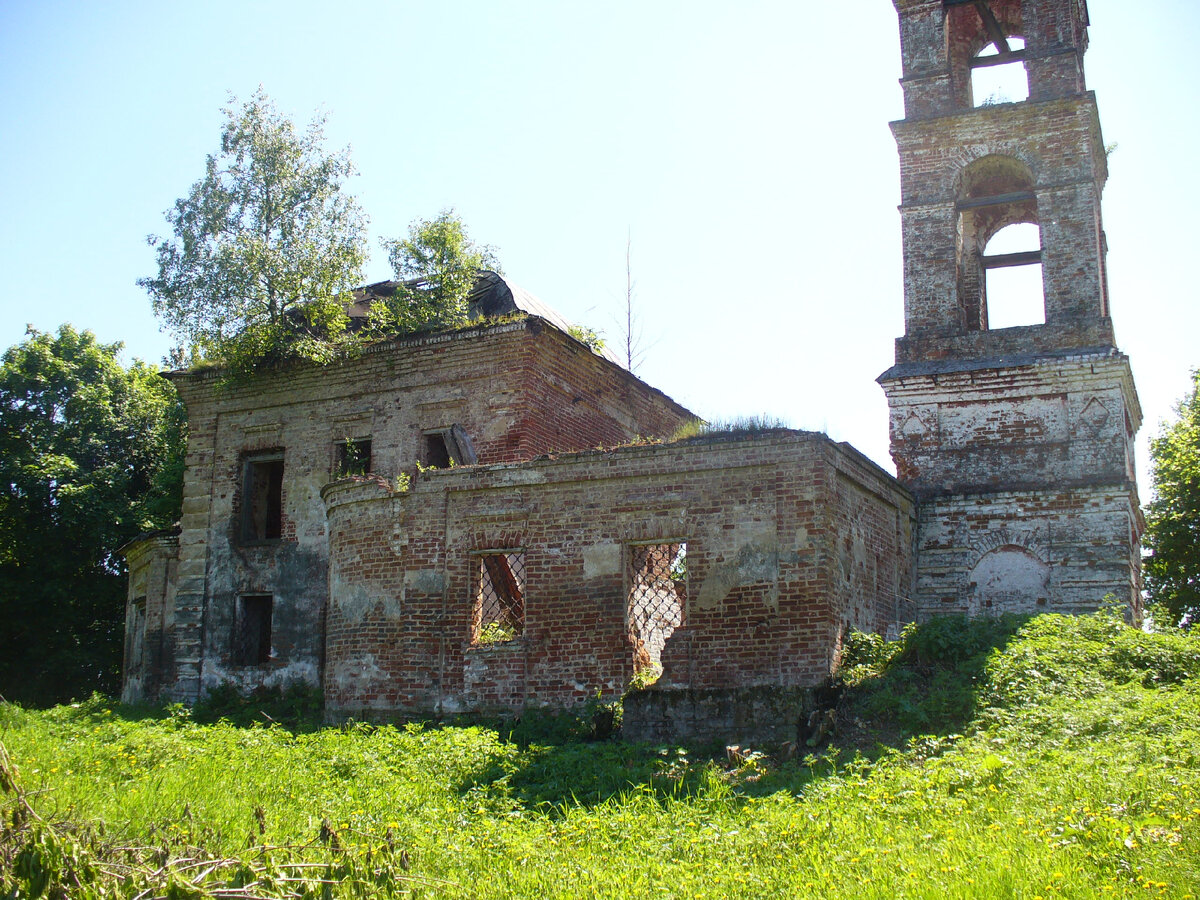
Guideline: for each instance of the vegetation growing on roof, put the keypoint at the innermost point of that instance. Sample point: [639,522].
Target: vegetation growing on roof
[436,265]
[742,425]
[589,337]
[262,247]
[268,245]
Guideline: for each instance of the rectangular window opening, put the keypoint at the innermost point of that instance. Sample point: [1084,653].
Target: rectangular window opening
[252,644]
[656,602]
[262,499]
[435,453]
[445,447]
[352,457]
[499,603]
[1014,294]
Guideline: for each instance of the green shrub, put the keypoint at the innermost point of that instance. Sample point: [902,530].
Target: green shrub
[866,655]
[928,680]
[741,425]
[296,706]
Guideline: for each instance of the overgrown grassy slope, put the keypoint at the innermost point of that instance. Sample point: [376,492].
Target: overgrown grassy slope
[1055,758]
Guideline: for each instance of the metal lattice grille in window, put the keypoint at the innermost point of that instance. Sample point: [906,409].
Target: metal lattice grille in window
[657,595]
[499,597]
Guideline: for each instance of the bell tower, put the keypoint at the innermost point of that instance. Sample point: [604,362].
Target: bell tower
[1012,412]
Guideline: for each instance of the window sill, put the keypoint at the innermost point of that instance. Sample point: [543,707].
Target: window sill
[518,641]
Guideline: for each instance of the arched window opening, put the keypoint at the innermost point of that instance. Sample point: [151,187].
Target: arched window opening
[997,235]
[1012,264]
[998,73]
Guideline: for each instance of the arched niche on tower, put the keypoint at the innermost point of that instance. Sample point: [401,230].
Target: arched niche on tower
[1008,579]
[971,28]
[993,193]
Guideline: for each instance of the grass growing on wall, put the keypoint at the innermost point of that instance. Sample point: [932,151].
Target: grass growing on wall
[1071,770]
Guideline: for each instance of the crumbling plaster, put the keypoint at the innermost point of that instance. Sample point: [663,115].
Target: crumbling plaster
[791,540]
[1013,448]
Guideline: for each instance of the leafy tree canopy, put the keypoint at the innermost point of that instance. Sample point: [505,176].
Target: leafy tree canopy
[262,245]
[91,454]
[1173,517]
[437,265]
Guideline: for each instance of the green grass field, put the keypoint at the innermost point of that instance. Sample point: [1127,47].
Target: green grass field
[1054,758]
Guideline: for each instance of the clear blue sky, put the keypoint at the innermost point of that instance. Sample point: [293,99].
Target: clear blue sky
[744,147]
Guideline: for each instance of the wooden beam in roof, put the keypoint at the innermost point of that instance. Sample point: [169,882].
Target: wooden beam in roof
[995,32]
[995,200]
[1005,260]
[997,59]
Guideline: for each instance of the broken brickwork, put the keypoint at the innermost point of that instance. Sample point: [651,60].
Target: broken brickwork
[149,616]
[790,539]
[429,528]
[253,552]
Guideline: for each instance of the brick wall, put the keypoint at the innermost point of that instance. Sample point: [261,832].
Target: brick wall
[790,540]
[495,381]
[1060,144]
[1017,441]
[938,42]
[1026,480]
[149,616]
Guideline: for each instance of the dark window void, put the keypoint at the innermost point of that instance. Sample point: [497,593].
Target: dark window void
[998,76]
[445,447]
[135,637]
[252,638]
[655,605]
[435,452]
[353,457]
[262,499]
[499,608]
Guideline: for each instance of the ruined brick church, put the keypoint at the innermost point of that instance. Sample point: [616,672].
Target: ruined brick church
[474,521]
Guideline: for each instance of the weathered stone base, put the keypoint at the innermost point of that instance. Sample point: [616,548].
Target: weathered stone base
[1029,551]
[767,714]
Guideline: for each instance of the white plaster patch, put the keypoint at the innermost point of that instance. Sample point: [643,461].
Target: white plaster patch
[973,424]
[519,476]
[495,429]
[803,540]
[1094,417]
[754,564]
[601,560]
[912,427]
[1008,579]
[358,674]
[397,538]
[248,678]
[424,581]
[752,532]
[350,600]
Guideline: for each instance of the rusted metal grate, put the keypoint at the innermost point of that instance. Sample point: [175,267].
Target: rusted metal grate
[657,595]
[499,597]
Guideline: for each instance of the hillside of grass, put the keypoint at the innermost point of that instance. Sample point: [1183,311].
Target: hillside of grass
[1054,757]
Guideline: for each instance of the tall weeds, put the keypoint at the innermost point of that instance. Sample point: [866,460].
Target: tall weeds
[1072,769]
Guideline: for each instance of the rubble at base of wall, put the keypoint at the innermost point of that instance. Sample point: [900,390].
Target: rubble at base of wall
[767,714]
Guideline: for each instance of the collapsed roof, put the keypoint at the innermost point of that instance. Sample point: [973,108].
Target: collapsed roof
[493,296]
